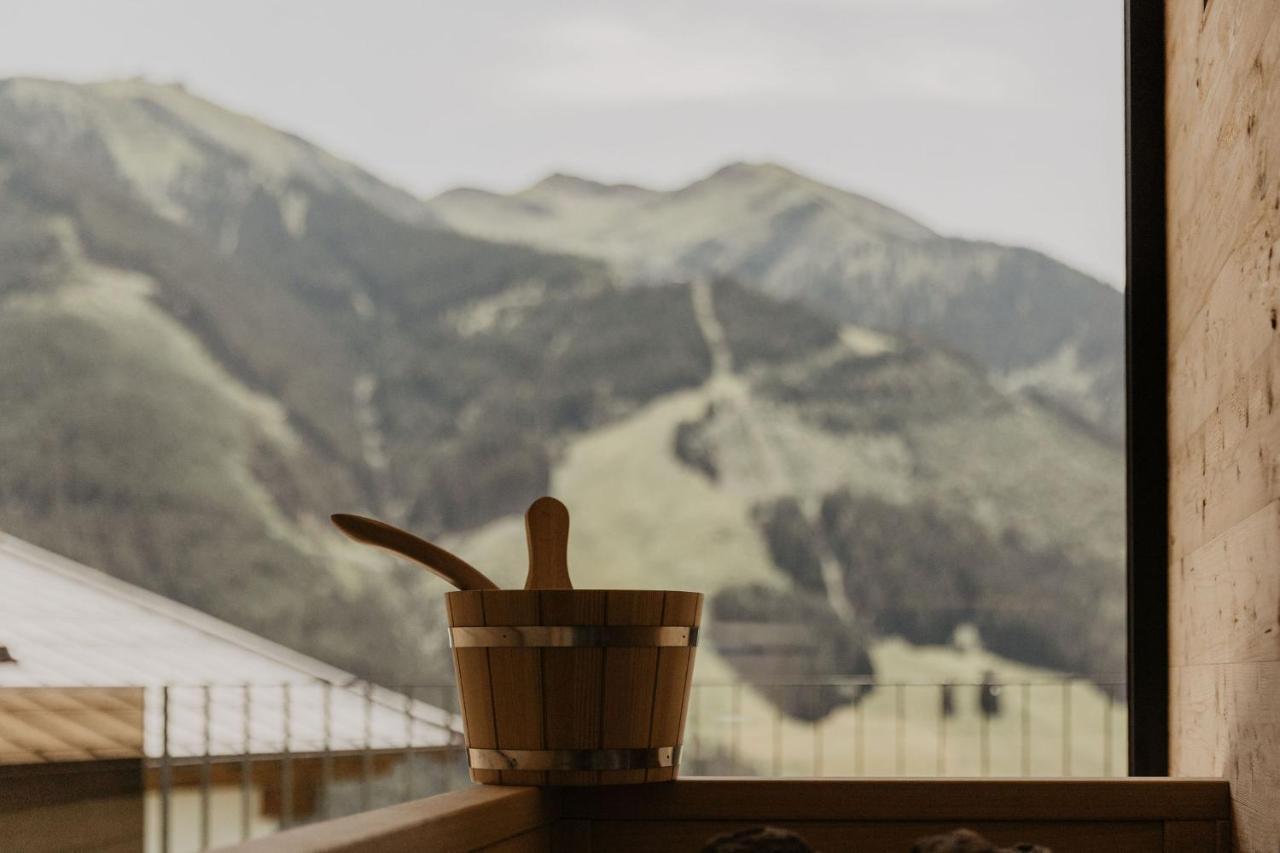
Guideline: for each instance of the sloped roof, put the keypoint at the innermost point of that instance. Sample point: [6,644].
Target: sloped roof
[68,625]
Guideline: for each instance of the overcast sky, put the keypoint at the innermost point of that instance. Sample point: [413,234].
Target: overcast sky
[999,119]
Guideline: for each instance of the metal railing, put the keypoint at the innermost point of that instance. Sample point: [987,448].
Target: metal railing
[324,759]
[1060,727]
[232,762]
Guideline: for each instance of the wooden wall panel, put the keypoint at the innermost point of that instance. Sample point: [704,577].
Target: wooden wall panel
[72,806]
[642,836]
[1223,126]
[1191,836]
[960,801]
[1077,815]
[534,841]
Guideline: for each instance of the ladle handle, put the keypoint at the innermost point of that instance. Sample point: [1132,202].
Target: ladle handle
[451,568]
[546,526]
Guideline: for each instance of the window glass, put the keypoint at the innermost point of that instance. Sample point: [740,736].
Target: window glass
[815,307]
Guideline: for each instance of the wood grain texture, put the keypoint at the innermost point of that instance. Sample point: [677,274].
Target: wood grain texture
[630,677]
[571,836]
[574,677]
[534,841]
[1223,139]
[573,697]
[1191,836]
[458,822]
[546,525]
[835,837]
[674,668]
[688,678]
[443,564]
[1225,842]
[471,667]
[516,682]
[710,798]
[1082,816]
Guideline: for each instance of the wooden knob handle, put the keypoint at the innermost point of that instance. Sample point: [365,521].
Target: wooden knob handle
[546,526]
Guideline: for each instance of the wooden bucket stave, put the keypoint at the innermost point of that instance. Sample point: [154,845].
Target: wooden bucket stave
[613,708]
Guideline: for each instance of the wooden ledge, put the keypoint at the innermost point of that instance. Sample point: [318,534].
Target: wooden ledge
[711,798]
[1083,815]
[469,819]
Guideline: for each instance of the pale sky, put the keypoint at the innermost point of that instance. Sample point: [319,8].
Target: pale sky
[995,119]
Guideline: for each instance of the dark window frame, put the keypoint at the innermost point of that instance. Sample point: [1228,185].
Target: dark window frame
[1146,394]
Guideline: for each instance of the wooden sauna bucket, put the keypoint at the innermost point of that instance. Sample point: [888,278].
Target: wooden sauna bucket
[573,687]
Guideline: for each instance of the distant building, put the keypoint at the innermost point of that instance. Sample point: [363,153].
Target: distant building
[96,669]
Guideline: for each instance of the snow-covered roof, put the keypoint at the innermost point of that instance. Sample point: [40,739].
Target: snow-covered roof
[67,625]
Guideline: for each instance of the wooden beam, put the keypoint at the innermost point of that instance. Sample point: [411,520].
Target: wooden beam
[764,800]
[471,819]
[1191,836]
[840,837]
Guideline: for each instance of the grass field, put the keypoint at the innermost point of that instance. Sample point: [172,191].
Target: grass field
[1048,725]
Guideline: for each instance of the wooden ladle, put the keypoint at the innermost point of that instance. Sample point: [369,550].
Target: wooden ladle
[452,568]
[546,526]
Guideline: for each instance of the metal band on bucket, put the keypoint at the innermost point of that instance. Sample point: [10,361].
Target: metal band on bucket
[573,759]
[560,636]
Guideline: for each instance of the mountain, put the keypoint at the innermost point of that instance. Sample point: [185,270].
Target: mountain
[203,356]
[892,481]
[186,159]
[1034,323]
[195,393]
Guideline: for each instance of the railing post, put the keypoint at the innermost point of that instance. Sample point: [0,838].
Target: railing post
[859,736]
[817,748]
[366,762]
[246,764]
[1066,727]
[1108,710]
[406,786]
[166,771]
[442,767]
[326,755]
[735,722]
[984,743]
[1026,729]
[696,723]
[942,730]
[205,770]
[899,726]
[777,742]
[286,758]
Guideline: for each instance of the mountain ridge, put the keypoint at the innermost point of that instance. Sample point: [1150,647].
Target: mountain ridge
[1031,320]
[120,117]
[272,356]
